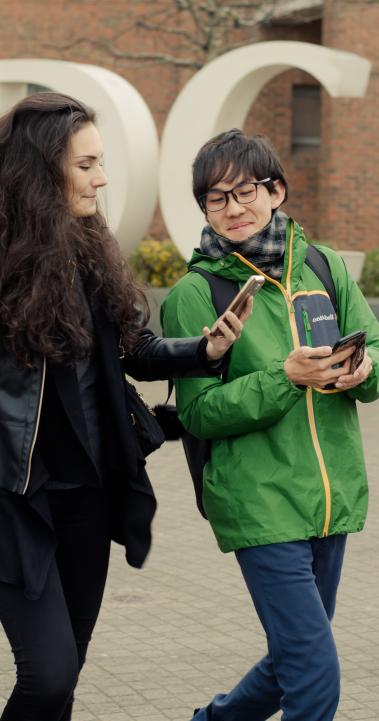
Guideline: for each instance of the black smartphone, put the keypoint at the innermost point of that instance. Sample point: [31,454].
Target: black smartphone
[358,339]
[251,287]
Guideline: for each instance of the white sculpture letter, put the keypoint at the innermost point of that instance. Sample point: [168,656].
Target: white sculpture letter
[125,123]
[219,96]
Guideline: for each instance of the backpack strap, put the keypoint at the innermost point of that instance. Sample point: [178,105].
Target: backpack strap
[223,290]
[318,262]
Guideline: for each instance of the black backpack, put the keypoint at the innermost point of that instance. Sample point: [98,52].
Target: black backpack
[197,450]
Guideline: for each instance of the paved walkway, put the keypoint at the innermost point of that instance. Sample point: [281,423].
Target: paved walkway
[172,635]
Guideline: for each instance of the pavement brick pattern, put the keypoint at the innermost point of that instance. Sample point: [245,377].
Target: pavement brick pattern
[172,635]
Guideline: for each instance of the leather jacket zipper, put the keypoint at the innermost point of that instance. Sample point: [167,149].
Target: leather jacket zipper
[286,291]
[29,466]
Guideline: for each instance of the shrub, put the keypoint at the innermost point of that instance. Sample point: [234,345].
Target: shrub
[369,282]
[157,263]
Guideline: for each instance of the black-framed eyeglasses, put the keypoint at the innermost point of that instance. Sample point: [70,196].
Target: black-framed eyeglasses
[243,193]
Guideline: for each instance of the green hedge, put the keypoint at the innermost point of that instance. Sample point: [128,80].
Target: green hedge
[369,282]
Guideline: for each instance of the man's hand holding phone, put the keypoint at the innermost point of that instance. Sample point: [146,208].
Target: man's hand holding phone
[345,366]
[307,366]
[351,380]
[360,362]
[357,341]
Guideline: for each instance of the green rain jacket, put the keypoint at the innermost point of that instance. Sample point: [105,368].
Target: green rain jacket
[287,462]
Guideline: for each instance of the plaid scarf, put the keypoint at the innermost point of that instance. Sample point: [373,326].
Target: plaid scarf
[264,249]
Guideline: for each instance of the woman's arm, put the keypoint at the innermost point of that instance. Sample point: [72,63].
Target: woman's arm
[156,358]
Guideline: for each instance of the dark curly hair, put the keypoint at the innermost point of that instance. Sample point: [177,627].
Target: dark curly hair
[41,243]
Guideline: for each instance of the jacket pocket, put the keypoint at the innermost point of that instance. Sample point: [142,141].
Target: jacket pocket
[316,319]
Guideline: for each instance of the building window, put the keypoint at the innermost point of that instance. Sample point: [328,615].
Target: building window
[305,116]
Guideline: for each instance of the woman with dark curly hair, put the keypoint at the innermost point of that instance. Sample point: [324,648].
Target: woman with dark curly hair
[72,473]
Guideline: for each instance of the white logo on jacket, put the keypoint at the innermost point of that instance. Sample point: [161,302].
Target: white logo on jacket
[332,316]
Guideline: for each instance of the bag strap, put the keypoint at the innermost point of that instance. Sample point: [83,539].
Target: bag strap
[223,290]
[318,262]
[169,390]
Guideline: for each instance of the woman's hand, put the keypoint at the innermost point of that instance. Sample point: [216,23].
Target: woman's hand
[229,328]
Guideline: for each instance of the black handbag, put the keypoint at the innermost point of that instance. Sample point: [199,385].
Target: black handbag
[167,417]
[149,433]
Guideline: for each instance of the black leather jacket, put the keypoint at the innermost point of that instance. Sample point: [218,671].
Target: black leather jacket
[21,390]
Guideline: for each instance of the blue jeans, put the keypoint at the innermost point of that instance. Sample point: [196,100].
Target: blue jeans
[293,587]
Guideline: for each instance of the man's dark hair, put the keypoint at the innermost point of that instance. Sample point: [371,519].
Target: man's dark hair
[230,154]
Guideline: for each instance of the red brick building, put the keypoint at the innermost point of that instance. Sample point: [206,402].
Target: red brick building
[330,147]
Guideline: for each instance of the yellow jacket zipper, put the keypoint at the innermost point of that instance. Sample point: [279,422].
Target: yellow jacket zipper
[26,484]
[320,458]
[286,291]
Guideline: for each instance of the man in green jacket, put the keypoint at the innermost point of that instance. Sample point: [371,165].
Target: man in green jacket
[286,480]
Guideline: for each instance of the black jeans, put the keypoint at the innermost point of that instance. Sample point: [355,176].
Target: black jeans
[49,636]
